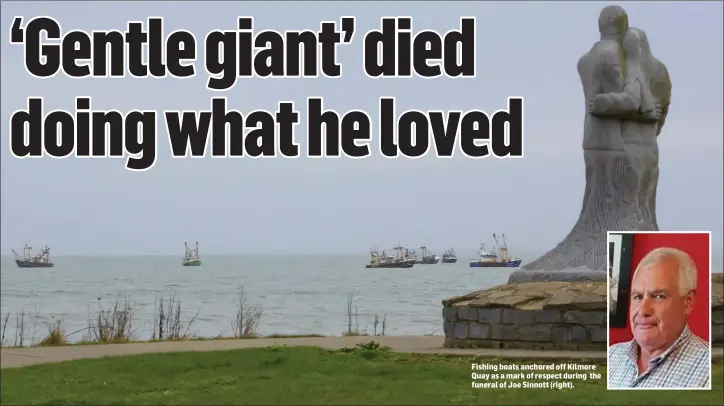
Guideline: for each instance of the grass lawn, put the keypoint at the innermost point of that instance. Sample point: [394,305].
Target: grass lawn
[293,375]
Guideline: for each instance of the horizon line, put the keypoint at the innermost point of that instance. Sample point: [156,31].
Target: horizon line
[217,254]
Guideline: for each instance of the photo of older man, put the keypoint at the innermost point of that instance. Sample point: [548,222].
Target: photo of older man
[663,353]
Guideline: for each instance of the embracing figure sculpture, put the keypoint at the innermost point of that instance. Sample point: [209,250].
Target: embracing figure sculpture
[627,93]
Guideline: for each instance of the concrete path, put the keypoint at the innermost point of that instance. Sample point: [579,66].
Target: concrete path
[19,357]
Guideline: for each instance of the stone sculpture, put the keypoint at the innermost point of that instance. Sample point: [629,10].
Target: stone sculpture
[627,94]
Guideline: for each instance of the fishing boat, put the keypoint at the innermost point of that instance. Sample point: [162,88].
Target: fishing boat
[449,257]
[403,258]
[191,258]
[490,259]
[28,260]
[427,257]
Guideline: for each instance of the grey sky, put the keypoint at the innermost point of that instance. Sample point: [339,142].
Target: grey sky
[344,205]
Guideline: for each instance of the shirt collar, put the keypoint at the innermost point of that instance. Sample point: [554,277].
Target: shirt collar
[633,349]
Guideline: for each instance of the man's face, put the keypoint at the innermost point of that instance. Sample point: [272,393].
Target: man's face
[658,311]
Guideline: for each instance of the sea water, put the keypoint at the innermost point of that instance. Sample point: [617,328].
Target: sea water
[298,294]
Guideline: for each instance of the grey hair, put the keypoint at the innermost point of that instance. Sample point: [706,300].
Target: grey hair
[686,266]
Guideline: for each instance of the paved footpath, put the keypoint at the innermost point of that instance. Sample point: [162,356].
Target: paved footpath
[19,357]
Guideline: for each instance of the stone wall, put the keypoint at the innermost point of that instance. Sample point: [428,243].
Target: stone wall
[531,329]
[536,315]
[544,315]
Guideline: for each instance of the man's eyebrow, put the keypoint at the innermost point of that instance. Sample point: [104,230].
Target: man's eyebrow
[652,292]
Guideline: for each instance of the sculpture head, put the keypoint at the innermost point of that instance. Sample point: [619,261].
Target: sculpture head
[636,43]
[662,297]
[646,69]
[613,22]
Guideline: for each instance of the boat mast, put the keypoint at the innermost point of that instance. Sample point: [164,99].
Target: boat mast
[505,247]
[502,249]
[398,250]
[45,255]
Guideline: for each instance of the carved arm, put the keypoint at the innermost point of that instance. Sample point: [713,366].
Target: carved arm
[624,105]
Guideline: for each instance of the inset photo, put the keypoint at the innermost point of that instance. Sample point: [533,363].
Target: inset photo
[659,310]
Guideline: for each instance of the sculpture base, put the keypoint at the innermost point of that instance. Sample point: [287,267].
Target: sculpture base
[579,274]
[533,316]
